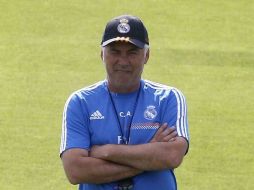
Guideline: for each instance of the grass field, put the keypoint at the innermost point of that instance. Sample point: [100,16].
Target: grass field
[49,48]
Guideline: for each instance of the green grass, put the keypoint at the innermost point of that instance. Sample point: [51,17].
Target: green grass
[50,48]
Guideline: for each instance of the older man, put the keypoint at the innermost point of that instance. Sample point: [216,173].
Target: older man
[124,132]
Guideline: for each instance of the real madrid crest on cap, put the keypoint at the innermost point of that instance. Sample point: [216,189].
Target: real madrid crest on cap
[123,27]
[126,28]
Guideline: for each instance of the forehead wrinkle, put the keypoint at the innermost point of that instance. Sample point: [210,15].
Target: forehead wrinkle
[112,45]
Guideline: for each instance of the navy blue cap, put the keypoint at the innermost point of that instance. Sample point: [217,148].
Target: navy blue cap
[126,28]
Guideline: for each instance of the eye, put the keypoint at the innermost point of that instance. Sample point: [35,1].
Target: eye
[133,52]
[114,51]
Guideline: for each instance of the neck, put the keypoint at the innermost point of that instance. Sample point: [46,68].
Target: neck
[123,88]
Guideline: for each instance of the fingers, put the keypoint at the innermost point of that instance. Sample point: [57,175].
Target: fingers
[165,134]
[168,130]
[158,135]
[160,130]
[171,134]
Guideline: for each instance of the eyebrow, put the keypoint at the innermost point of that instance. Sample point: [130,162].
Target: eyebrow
[134,48]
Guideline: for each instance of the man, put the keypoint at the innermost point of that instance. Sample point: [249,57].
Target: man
[124,132]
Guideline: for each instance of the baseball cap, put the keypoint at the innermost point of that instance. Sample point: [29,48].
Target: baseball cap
[126,28]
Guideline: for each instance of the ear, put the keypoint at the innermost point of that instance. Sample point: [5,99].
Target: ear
[147,55]
[102,55]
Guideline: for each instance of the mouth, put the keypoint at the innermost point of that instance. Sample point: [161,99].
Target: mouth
[122,71]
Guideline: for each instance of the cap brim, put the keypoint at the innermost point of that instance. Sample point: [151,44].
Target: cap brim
[125,39]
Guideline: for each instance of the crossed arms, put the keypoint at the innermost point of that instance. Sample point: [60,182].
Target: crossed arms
[110,162]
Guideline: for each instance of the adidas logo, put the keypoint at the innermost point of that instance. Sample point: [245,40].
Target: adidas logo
[96,115]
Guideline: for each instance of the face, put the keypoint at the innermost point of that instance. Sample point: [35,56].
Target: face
[124,64]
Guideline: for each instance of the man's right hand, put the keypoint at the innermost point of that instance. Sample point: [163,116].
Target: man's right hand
[164,134]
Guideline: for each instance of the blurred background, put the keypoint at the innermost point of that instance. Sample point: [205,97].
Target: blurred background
[50,48]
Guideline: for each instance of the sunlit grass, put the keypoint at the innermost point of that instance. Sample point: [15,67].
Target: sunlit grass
[50,48]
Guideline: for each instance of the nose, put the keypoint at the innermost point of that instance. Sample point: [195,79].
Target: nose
[123,60]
